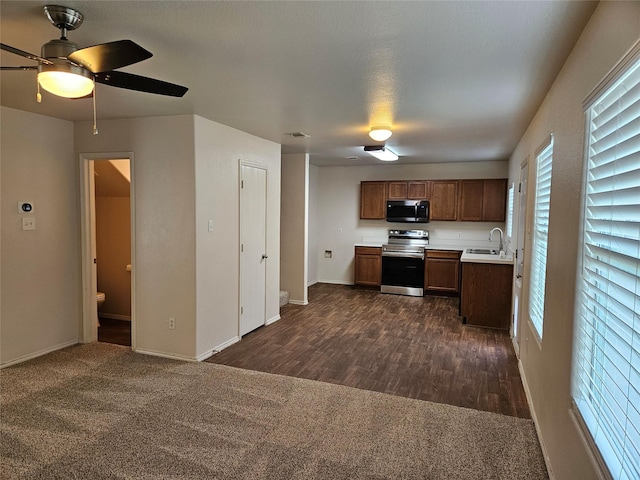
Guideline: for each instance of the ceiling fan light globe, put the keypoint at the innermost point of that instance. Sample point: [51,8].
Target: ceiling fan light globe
[380,134]
[65,84]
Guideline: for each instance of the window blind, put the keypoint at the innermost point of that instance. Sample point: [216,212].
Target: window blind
[510,197]
[540,235]
[606,368]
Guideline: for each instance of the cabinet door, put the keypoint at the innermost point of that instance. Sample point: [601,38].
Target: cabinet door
[494,200]
[368,266]
[442,270]
[444,200]
[486,295]
[417,190]
[397,190]
[471,195]
[373,200]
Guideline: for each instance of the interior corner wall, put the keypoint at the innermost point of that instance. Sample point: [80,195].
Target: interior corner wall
[40,279]
[312,226]
[219,152]
[293,228]
[163,176]
[546,366]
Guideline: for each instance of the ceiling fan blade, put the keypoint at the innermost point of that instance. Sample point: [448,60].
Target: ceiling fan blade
[142,84]
[109,56]
[22,53]
[19,68]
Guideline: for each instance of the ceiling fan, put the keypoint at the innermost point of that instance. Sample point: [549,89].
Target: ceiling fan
[68,71]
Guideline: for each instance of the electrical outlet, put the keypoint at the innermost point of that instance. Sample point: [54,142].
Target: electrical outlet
[28,223]
[172,323]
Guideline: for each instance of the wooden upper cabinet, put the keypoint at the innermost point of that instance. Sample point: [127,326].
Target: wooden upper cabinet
[443,201]
[417,190]
[471,194]
[373,200]
[397,190]
[483,200]
[408,190]
[494,200]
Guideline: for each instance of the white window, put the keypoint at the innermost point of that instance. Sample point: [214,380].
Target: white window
[606,363]
[510,196]
[541,202]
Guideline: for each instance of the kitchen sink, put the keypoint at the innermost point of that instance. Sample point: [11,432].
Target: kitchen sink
[482,251]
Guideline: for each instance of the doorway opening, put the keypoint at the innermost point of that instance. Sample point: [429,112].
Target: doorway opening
[108,253]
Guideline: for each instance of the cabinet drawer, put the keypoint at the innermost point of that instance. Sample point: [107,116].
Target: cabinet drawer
[453,254]
[368,251]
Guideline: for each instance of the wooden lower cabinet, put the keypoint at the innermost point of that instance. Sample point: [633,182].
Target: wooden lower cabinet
[486,294]
[368,266]
[442,271]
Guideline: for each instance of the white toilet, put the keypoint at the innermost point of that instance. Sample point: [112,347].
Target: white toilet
[100,298]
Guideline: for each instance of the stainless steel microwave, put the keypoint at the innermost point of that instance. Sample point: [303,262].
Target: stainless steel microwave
[408,211]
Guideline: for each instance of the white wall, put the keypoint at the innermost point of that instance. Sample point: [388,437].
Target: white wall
[612,30]
[293,229]
[338,220]
[40,278]
[219,150]
[312,226]
[164,187]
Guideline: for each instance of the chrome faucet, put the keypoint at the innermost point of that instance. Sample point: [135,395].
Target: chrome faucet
[501,247]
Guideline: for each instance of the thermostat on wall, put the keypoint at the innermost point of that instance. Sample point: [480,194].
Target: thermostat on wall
[25,207]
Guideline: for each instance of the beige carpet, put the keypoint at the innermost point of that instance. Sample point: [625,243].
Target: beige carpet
[100,411]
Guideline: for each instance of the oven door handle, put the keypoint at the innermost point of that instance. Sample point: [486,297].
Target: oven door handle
[403,255]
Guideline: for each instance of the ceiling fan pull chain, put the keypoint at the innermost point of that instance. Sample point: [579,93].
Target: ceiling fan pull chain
[38,95]
[95,123]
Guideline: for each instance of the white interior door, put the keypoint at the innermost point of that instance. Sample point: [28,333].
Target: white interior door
[253,247]
[522,218]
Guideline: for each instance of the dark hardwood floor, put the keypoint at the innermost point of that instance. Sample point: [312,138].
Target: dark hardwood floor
[114,331]
[407,346]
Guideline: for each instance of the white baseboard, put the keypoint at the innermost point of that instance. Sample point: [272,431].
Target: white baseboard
[311,283]
[298,302]
[39,353]
[217,349]
[527,392]
[336,282]
[115,316]
[272,320]
[172,356]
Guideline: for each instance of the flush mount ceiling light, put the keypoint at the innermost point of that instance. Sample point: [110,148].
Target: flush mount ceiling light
[381,153]
[380,134]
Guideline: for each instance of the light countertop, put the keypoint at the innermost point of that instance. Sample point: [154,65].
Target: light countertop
[465,258]
[480,258]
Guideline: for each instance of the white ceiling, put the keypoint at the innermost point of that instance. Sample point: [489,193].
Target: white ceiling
[457,81]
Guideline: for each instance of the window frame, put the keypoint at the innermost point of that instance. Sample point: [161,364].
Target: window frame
[536,276]
[621,69]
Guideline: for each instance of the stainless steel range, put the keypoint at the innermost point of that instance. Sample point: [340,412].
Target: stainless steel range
[403,262]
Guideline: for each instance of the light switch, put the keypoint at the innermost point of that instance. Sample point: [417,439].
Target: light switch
[210,225]
[28,223]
